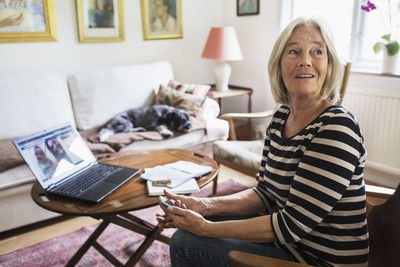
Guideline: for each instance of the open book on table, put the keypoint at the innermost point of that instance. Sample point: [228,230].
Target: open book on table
[177,177]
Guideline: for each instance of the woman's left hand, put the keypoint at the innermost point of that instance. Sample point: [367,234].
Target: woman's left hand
[187,220]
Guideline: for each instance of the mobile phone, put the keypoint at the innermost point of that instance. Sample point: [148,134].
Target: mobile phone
[167,202]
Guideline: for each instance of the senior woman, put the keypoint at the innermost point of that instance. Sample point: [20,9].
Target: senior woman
[309,204]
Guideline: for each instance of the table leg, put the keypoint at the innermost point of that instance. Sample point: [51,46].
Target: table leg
[88,243]
[144,246]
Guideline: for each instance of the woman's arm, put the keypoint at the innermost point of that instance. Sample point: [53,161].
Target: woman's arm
[256,229]
[246,202]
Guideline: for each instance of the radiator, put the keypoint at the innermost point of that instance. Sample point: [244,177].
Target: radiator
[378,113]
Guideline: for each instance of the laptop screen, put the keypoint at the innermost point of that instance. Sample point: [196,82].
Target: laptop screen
[55,153]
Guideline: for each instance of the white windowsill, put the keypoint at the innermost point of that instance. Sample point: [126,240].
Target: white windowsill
[374,72]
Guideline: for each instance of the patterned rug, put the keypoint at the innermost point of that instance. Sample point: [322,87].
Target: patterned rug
[117,240]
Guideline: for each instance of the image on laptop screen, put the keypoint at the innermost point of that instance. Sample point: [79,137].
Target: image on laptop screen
[54,154]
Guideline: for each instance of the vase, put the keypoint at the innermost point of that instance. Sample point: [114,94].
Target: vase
[390,62]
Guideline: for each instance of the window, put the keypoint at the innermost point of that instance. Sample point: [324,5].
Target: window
[355,31]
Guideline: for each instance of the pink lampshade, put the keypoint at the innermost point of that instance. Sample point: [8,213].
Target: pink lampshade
[222,44]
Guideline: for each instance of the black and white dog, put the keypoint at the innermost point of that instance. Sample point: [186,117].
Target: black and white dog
[161,118]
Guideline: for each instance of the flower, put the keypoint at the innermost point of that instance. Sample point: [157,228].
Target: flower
[368,6]
[390,10]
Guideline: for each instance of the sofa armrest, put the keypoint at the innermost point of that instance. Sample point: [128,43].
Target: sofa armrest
[210,109]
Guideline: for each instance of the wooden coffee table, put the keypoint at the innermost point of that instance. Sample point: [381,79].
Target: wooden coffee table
[131,196]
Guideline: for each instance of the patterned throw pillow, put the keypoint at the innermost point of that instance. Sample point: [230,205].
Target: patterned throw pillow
[194,89]
[171,97]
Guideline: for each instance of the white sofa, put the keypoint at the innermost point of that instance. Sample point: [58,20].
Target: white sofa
[33,101]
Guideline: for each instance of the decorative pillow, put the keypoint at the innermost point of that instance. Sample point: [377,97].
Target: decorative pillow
[9,156]
[188,102]
[200,90]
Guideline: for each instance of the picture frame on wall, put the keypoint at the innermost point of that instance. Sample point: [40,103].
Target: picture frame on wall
[161,19]
[27,21]
[100,20]
[247,7]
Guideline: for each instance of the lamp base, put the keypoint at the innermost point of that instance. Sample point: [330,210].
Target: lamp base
[222,72]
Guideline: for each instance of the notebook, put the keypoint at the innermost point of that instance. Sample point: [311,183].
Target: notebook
[63,165]
[188,187]
[177,177]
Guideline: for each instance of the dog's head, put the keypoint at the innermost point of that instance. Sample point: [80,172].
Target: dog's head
[178,120]
[120,124]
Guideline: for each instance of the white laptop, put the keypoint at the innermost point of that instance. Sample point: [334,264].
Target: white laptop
[63,164]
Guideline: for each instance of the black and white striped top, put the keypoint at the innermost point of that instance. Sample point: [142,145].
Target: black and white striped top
[313,183]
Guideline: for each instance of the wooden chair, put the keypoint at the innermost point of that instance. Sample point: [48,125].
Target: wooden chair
[245,156]
[383,216]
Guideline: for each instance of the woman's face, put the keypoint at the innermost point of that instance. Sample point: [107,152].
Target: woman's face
[304,62]
[159,8]
[39,153]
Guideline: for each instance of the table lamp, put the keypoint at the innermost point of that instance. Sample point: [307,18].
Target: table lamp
[222,44]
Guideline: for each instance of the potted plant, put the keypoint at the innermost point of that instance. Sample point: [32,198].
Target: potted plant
[388,44]
[392,46]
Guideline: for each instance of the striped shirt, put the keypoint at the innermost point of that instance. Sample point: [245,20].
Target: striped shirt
[313,185]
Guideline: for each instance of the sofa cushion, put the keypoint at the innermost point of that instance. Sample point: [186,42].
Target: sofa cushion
[9,156]
[194,89]
[32,102]
[98,95]
[171,97]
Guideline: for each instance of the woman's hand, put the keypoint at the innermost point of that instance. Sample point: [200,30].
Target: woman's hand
[186,219]
[183,202]
[164,221]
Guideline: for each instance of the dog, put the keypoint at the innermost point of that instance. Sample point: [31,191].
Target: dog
[162,118]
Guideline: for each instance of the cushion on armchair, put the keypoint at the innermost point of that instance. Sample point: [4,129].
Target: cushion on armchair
[245,153]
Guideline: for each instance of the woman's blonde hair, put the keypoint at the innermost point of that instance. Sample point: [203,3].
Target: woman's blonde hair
[334,71]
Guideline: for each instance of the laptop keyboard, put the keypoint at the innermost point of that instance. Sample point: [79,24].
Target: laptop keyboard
[86,179]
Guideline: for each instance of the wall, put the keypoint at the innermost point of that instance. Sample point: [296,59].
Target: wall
[67,55]
[257,35]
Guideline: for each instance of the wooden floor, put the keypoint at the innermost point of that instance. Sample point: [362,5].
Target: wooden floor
[28,236]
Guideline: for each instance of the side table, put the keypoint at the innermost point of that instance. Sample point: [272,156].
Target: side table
[243,130]
[233,90]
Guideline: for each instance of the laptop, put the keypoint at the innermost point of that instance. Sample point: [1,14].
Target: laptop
[64,165]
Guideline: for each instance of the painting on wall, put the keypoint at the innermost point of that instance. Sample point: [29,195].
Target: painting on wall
[100,20]
[248,7]
[27,21]
[162,19]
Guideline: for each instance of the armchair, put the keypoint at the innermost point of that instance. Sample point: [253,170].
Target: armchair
[383,217]
[245,156]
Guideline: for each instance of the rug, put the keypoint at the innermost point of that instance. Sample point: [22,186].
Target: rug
[117,240]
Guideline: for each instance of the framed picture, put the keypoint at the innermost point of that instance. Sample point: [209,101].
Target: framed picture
[248,7]
[100,20]
[27,21]
[161,19]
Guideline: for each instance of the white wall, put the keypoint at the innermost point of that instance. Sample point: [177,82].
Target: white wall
[257,35]
[67,55]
